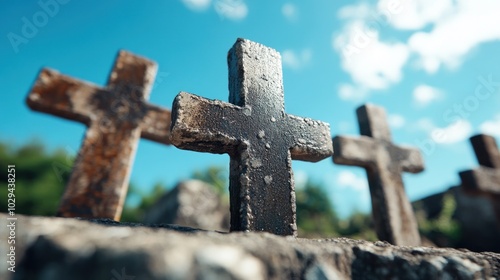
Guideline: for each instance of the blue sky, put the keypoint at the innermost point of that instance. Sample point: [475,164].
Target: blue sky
[432,64]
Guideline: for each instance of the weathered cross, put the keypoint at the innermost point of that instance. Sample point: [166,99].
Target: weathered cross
[384,162]
[484,180]
[116,116]
[260,138]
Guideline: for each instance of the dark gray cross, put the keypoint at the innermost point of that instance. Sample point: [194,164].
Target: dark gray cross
[384,162]
[485,180]
[260,138]
[116,116]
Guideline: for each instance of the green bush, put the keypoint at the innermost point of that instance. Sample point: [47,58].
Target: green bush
[41,177]
[443,228]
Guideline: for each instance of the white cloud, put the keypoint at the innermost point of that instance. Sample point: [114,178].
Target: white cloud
[296,60]
[466,25]
[424,94]
[197,5]
[231,9]
[360,11]
[371,63]
[491,127]
[413,15]
[396,121]
[289,10]
[352,93]
[455,28]
[350,180]
[453,133]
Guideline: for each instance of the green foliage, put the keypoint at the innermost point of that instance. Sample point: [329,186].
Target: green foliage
[315,215]
[40,177]
[358,226]
[444,227]
[215,176]
[136,213]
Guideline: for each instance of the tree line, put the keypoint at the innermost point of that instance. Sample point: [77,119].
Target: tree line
[42,175]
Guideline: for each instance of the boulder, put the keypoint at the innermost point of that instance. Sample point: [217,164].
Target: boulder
[68,248]
[191,203]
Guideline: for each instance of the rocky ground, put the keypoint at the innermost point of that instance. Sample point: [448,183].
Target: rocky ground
[65,248]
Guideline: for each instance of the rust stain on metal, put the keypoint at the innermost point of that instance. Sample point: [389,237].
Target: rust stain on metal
[484,180]
[260,138]
[384,162]
[116,115]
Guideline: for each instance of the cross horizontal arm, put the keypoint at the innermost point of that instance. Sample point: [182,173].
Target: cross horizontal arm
[313,141]
[410,159]
[205,125]
[481,180]
[156,124]
[62,96]
[359,151]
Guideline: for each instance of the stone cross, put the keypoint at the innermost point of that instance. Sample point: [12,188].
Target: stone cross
[260,138]
[484,180]
[116,116]
[392,212]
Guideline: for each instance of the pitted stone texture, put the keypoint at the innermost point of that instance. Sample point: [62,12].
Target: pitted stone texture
[57,248]
[260,138]
[116,116]
[191,203]
[485,180]
[392,212]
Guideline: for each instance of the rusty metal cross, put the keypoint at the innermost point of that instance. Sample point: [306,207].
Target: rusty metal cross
[116,116]
[392,212]
[260,138]
[485,180]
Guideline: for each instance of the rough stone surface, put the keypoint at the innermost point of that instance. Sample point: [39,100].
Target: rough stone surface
[116,116]
[484,180]
[191,203]
[65,248]
[392,212]
[260,138]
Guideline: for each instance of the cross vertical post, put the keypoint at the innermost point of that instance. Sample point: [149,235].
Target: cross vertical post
[384,162]
[484,180]
[116,115]
[260,138]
